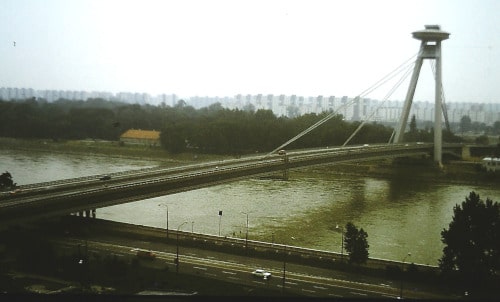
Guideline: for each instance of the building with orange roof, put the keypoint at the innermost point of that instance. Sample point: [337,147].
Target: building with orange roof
[141,137]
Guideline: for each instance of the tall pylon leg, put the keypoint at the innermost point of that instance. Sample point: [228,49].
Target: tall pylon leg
[398,138]
[438,111]
[430,48]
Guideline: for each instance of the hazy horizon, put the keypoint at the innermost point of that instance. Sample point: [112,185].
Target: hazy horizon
[224,48]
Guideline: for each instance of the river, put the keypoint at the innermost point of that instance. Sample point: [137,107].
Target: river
[399,216]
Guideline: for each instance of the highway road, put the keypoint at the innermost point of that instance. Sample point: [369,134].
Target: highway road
[300,280]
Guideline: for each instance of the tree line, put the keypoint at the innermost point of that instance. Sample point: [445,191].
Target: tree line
[212,129]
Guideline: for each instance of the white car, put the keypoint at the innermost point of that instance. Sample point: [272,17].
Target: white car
[261,274]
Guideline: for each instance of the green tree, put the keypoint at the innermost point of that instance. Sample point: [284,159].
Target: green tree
[472,241]
[482,140]
[173,139]
[413,124]
[356,244]
[6,181]
[496,127]
[449,137]
[465,124]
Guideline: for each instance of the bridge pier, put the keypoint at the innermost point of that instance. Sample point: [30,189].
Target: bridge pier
[285,170]
[465,152]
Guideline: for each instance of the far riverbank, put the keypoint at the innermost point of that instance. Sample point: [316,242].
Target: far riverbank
[104,148]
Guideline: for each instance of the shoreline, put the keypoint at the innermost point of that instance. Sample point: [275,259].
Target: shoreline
[103,148]
[453,172]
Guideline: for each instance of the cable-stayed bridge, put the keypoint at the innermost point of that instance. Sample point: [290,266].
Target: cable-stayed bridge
[84,194]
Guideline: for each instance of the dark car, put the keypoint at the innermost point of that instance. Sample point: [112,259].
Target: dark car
[105,177]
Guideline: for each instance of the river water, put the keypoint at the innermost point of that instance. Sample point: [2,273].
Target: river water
[399,216]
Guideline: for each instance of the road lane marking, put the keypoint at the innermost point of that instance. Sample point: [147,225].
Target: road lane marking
[335,295]
[242,268]
[202,268]
[226,272]
[319,287]
[358,293]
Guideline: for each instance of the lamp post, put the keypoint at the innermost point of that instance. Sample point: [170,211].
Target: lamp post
[284,268]
[167,216]
[342,245]
[246,236]
[177,253]
[220,219]
[192,226]
[402,271]
[167,221]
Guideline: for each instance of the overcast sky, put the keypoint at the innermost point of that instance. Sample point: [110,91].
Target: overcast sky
[223,48]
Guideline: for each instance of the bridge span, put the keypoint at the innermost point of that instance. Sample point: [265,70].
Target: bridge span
[80,194]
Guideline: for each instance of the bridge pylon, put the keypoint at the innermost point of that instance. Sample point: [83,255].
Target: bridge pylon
[430,48]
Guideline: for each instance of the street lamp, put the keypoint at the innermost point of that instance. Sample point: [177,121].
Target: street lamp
[246,236]
[167,217]
[402,271]
[177,253]
[284,268]
[220,219]
[167,220]
[192,226]
[342,246]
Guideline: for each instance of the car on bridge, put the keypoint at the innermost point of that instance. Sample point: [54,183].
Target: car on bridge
[144,254]
[105,177]
[261,273]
